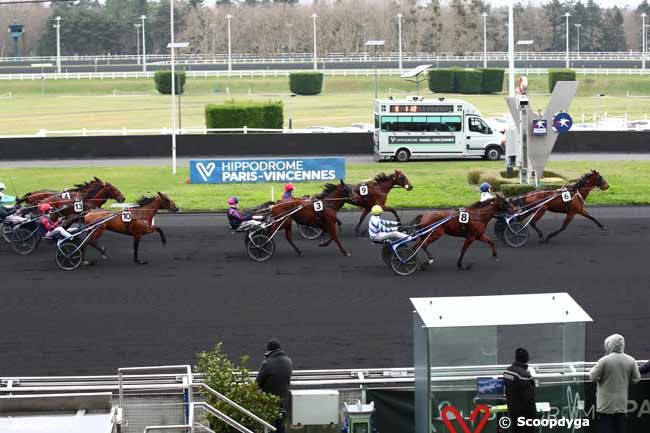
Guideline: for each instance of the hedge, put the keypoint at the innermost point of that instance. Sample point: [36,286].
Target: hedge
[268,115]
[468,81]
[555,75]
[306,83]
[442,80]
[163,80]
[492,80]
[512,189]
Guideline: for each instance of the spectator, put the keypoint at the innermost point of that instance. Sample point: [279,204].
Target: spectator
[645,368]
[520,391]
[274,378]
[613,374]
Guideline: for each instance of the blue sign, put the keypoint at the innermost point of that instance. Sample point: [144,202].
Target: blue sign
[267,170]
[540,127]
[562,122]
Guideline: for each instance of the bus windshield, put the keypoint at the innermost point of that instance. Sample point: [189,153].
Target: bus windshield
[421,123]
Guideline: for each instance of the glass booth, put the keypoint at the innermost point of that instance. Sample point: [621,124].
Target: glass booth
[463,342]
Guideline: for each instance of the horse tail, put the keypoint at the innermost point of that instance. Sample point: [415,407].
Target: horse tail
[416,220]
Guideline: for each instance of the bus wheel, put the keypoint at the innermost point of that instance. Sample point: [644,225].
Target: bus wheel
[493,154]
[402,155]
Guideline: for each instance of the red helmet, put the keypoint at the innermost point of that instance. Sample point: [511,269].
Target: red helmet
[288,187]
[44,207]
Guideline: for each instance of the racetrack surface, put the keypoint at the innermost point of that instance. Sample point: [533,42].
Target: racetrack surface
[329,311]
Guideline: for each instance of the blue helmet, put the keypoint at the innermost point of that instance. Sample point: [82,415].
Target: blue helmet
[485,187]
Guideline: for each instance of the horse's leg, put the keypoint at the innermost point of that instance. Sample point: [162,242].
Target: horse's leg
[587,215]
[468,241]
[364,214]
[289,236]
[566,222]
[535,218]
[95,244]
[136,246]
[330,228]
[163,238]
[488,241]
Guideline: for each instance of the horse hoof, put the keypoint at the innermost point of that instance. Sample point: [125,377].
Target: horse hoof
[496,259]
[604,228]
[86,263]
[104,257]
[322,244]
[348,254]
[141,262]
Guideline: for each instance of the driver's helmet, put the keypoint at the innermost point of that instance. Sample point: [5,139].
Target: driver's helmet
[233,201]
[376,210]
[44,208]
[2,186]
[485,187]
[288,187]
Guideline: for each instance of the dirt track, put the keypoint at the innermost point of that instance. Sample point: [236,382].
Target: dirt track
[329,311]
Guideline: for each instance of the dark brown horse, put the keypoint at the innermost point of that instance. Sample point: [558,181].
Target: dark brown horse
[139,224]
[319,211]
[35,197]
[480,215]
[376,192]
[92,199]
[576,205]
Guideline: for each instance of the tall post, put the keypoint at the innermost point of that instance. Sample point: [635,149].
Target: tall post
[314,16]
[365,38]
[229,17]
[511,50]
[567,15]
[173,60]
[578,43]
[399,28]
[644,42]
[58,44]
[290,46]
[144,46]
[137,41]
[484,15]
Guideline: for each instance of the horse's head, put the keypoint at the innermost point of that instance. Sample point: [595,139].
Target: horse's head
[167,203]
[598,180]
[400,179]
[114,193]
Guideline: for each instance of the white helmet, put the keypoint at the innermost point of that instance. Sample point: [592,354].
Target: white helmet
[2,186]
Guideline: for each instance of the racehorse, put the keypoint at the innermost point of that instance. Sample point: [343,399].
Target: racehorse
[377,193]
[579,192]
[333,197]
[139,223]
[480,215]
[35,197]
[92,199]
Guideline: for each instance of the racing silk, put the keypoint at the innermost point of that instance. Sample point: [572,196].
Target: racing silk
[235,218]
[288,195]
[4,199]
[378,225]
[485,196]
[46,225]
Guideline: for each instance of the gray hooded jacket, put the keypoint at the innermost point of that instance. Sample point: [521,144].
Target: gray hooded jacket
[613,374]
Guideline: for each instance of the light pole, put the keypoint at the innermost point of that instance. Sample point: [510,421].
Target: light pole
[144,45]
[290,46]
[578,45]
[375,44]
[511,50]
[567,15]
[365,38]
[399,28]
[643,42]
[484,15]
[314,16]
[137,40]
[173,60]
[229,17]
[57,26]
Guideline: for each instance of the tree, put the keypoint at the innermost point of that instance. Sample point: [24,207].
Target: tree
[613,33]
[555,11]
[591,34]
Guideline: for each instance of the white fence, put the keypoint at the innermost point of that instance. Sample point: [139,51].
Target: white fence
[265,73]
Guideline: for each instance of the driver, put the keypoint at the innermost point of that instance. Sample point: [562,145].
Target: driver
[5,209]
[235,218]
[46,227]
[380,229]
[288,191]
[487,192]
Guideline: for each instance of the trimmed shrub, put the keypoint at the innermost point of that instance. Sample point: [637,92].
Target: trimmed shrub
[269,115]
[547,173]
[496,182]
[306,83]
[468,81]
[473,177]
[492,80]
[555,75]
[512,189]
[163,80]
[442,80]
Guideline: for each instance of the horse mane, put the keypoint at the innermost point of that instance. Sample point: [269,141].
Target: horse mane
[144,200]
[329,188]
[86,185]
[381,177]
[482,204]
[583,179]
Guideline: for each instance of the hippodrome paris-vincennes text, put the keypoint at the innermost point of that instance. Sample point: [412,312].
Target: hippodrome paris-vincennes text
[271,171]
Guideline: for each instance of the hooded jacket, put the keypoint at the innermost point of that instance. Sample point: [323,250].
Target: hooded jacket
[520,391]
[275,372]
[613,374]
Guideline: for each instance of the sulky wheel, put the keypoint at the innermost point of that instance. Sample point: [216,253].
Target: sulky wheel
[309,232]
[499,228]
[24,241]
[516,234]
[7,232]
[405,261]
[386,253]
[260,247]
[69,256]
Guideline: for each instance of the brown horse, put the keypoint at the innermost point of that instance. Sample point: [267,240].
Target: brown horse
[35,197]
[579,192]
[376,192]
[480,215]
[92,199]
[140,224]
[306,213]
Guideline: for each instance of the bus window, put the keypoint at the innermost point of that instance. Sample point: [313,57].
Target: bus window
[477,125]
[452,124]
[389,124]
